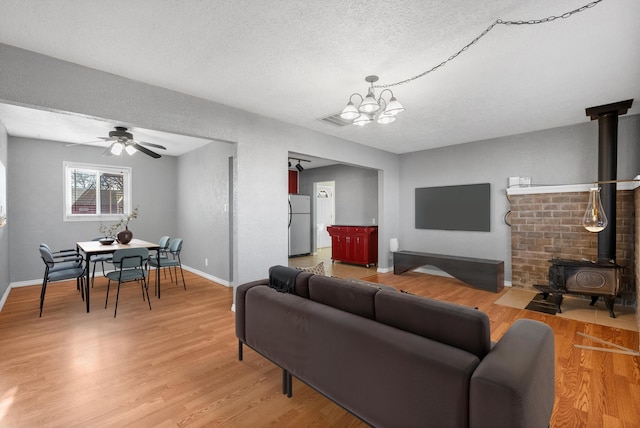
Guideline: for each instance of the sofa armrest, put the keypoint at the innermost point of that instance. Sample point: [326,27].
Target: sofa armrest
[241,293]
[514,384]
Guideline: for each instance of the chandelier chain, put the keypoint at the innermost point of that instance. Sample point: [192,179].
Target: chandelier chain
[489,28]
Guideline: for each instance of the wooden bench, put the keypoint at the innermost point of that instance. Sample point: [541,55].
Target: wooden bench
[480,273]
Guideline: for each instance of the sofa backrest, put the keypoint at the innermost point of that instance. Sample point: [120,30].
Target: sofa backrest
[456,325]
[347,296]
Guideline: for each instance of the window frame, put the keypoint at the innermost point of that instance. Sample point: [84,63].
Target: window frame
[99,169]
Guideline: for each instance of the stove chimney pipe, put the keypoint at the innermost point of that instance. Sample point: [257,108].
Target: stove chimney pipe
[607,116]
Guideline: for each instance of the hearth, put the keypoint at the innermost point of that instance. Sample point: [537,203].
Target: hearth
[595,279]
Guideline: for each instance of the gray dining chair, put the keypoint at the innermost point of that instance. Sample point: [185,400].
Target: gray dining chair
[171,261]
[129,263]
[100,258]
[62,267]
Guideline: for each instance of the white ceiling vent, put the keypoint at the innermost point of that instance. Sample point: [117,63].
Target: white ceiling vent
[336,120]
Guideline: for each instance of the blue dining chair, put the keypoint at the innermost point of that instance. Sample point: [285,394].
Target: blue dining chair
[129,263]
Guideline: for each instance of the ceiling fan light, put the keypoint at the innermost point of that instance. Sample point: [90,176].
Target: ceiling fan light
[362,120]
[130,149]
[116,148]
[394,107]
[350,112]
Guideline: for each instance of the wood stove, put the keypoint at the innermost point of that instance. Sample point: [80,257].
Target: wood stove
[595,279]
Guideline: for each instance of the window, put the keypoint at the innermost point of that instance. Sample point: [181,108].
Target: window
[96,192]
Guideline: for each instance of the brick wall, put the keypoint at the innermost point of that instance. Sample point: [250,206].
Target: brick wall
[549,225]
[637,247]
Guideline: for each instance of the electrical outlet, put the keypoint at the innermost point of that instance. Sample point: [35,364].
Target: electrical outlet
[206,262]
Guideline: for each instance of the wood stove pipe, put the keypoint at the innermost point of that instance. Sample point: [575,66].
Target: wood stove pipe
[607,116]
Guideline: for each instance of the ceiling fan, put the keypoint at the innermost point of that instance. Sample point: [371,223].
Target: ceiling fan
[123,140]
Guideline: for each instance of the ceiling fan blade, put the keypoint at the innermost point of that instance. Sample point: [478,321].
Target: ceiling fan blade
[144,143]
[145,150]
[80,144]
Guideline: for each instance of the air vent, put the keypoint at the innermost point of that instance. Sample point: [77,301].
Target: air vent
[335,120]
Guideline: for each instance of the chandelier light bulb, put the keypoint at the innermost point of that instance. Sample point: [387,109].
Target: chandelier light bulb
[130,149]
[362,120]
[394,107]
[369,104]
[350,112]
[385,118]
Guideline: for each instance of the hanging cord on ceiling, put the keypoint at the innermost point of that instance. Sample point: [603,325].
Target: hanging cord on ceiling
[489,28]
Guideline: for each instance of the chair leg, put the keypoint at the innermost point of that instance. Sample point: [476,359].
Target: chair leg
[107,299]
[80,286]
[93,275]
[117,296]
[184,284]
[145,288]
[42,293]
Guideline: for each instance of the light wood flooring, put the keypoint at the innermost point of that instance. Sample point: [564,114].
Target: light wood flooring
[177,366]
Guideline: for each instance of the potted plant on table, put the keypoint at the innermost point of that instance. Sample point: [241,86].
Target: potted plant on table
[124,236]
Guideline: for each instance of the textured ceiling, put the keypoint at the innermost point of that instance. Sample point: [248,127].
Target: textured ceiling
[298,61]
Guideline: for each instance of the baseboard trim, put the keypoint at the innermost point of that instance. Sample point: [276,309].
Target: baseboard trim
[207,276]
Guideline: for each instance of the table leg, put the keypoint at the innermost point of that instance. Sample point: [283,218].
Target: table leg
[158,272]
[87,279]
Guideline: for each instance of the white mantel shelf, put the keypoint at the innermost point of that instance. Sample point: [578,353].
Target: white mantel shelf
[567,188]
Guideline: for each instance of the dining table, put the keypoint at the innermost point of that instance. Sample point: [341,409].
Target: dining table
[94,248]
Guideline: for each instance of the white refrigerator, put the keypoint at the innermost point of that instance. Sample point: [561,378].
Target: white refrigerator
[299,225]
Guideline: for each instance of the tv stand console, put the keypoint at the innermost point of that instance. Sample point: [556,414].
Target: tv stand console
[480,273]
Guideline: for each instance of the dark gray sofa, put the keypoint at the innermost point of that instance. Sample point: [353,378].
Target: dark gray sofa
[400,360]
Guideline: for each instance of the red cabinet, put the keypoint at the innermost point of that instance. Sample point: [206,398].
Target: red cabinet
[354,244]
[293,182]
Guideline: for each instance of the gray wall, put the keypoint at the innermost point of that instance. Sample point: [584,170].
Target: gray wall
[356,191]
[36,196]
[203,217]
[566,155]
[4,231]
[263,145]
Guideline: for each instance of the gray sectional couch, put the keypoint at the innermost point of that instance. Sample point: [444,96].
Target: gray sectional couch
[398,360]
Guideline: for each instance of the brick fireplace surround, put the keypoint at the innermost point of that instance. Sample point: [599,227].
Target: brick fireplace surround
[546,223]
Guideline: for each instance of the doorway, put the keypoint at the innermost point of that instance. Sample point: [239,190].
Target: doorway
[324,192]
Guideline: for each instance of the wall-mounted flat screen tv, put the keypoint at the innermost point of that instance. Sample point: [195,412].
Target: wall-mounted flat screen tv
[464,207]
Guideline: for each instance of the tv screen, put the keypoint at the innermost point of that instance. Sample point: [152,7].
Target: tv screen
[465,207]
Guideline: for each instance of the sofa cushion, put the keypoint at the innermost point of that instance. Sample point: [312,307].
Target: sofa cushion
[456,325]
[302,284]
[355,298]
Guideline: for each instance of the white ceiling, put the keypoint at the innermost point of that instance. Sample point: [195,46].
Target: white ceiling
[298,61]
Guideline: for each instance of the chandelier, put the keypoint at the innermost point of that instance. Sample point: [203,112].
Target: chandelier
[384,112]
[372,108]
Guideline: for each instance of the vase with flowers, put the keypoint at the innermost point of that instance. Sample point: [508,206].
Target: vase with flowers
[124,236]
